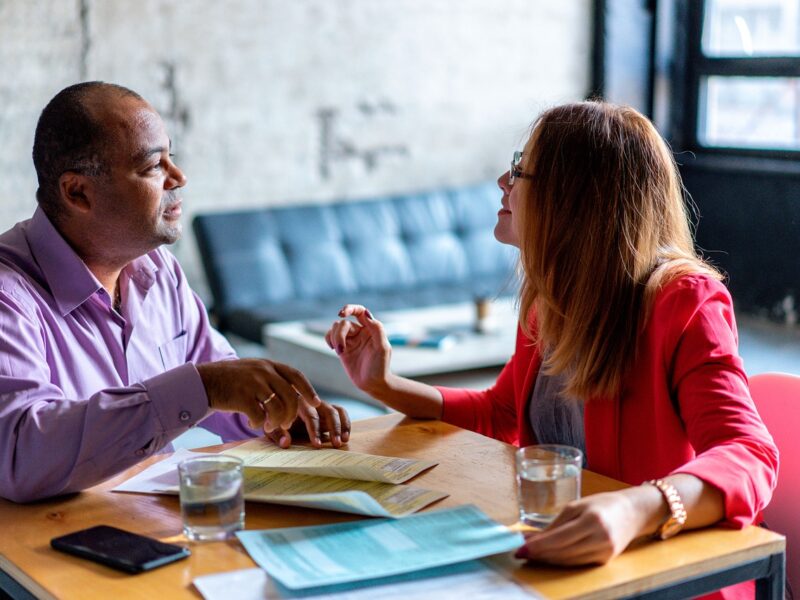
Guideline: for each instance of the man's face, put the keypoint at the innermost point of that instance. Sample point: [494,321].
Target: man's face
[137,203]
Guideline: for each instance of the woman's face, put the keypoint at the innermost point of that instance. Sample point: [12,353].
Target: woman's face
[506,231]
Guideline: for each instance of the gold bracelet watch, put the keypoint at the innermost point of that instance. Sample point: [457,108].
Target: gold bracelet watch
[677,517]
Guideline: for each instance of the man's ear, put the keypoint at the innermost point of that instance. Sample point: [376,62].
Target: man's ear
[76,191]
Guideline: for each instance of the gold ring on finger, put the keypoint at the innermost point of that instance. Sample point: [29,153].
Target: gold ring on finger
[263,403]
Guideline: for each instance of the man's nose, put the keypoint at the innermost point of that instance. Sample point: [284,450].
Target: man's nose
[176,178]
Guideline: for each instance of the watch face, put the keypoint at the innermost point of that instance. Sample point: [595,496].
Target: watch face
[670,528]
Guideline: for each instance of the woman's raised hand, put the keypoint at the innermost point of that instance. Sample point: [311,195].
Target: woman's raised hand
[362,347]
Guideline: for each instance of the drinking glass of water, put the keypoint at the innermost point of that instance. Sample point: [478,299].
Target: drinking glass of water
[212,497]
[548,477]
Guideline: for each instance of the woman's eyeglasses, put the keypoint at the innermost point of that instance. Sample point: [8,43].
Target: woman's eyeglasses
[515,172]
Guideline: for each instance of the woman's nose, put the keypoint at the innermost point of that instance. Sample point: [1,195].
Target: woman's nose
[502,182]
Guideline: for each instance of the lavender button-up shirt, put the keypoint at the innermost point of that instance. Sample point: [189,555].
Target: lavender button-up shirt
[86,392]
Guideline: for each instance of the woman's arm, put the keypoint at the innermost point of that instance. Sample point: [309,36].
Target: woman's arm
[365,353]
[597,528]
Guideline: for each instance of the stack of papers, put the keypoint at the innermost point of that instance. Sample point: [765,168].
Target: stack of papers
[325,479]
[325,555]
[473,580]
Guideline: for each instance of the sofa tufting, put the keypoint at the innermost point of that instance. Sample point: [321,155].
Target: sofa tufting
[305,261]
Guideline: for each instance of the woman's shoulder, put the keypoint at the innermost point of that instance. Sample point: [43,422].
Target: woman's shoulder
[692,289]
[691,298]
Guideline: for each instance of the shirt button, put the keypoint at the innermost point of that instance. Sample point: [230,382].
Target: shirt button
[184,416]
[139,452]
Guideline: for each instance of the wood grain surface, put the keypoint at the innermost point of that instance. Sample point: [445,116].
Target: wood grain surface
[472,469]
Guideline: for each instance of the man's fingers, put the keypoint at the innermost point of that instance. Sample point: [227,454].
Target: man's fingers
[344,419]
[311,420]
[332,424]
[301,388]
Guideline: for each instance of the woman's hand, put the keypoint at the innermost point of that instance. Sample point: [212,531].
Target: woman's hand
[592,530]
[595,529]
[362,347]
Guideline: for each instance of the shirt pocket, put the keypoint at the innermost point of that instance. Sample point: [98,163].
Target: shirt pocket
[173,352]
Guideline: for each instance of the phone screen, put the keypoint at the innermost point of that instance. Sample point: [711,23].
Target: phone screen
[119,549]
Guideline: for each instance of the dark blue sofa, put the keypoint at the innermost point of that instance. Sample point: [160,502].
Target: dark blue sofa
[304,262]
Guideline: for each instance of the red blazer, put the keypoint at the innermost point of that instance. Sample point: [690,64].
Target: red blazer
[685,406]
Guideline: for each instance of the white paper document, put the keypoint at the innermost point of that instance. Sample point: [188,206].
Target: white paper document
[324,555]
[369,498]
[473,580]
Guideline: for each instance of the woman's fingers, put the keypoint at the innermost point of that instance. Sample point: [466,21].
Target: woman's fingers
[340,333]
[352,310]
[569,535]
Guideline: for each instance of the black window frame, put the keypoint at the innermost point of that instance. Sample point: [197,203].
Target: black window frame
[690,15]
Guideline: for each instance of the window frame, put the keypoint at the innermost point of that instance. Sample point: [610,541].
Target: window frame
[698,65]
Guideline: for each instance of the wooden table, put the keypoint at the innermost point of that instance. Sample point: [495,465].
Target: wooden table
[473,469]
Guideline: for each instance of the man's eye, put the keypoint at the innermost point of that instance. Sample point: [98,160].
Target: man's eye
[156,167]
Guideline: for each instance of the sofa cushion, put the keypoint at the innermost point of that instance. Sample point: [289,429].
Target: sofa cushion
[305,262]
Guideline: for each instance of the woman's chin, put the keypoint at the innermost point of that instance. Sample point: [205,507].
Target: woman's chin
[504,234]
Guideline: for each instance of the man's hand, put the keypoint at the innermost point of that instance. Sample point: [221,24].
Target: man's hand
[270,394]
[313,423]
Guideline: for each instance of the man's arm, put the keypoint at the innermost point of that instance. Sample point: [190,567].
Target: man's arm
[51,444]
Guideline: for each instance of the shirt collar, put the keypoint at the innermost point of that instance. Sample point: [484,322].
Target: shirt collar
[69,279]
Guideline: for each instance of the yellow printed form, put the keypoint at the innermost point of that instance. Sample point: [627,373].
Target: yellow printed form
[371,498]
[330,479]
[329,462]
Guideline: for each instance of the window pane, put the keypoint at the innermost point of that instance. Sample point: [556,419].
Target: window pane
[750,112]
[752,28]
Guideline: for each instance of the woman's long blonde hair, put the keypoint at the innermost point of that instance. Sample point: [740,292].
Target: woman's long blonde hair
[602,226]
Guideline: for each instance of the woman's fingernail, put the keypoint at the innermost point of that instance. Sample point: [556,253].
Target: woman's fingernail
[345,436]
[339,349]
[369,314]
[522,552]
[317,441]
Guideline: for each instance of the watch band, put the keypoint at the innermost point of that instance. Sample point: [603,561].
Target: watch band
[677,517]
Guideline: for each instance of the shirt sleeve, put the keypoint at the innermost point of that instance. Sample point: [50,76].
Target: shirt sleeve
[52,444]
[206,344]
[491,412]
[734,451]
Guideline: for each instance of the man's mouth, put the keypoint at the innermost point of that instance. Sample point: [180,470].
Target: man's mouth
[173,211]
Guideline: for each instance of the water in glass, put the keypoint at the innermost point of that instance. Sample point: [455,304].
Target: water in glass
[212,501]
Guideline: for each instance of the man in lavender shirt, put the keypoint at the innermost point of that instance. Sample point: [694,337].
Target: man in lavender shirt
[106,354]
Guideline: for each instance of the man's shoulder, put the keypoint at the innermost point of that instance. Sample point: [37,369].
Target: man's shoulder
[18,268]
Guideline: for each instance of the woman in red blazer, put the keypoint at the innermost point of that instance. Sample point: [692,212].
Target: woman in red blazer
[618,309]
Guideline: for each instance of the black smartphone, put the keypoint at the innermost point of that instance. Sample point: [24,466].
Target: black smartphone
[119,549]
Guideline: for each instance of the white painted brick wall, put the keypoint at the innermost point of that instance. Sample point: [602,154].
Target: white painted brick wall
[413,94]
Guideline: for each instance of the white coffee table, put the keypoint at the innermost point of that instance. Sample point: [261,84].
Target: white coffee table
[296,344]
